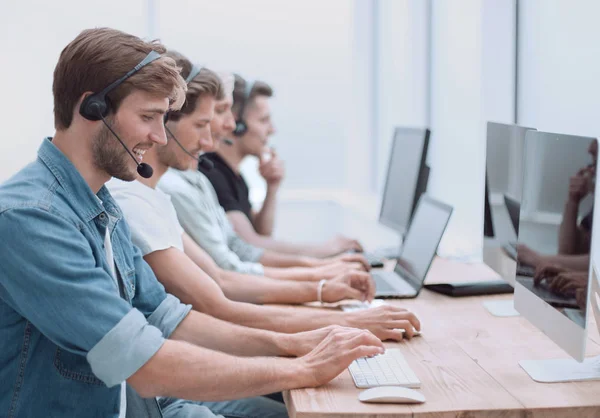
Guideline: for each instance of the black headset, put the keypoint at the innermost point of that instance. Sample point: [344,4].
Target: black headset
[240,124]
[97,106]
[203,162]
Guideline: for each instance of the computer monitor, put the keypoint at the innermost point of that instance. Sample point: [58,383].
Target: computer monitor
[557,304]
[503,176]
[406,179]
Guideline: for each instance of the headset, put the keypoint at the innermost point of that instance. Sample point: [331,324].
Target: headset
[97,106]
[240,124]
[203,162]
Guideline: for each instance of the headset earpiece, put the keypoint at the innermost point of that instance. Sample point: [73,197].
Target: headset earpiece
[94,107]
[240,124]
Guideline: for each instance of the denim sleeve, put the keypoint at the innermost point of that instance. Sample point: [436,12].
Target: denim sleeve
[49,276]
[161,309]
[204,228]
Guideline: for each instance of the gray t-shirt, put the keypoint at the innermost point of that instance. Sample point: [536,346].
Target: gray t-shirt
[205,221]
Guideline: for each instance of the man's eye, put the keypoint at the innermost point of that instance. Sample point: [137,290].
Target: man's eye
[147,118]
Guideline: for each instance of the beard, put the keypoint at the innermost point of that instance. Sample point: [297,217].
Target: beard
[167,155]
[110,156]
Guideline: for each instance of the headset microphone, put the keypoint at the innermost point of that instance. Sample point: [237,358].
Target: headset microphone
[203,162]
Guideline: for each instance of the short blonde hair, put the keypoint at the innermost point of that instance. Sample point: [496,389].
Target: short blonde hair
[97,57]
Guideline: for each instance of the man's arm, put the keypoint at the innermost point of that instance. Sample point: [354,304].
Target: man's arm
[569,234]
[246,231]
[260,289]
[570,262]
[264,219]
[186,280]
[183,370]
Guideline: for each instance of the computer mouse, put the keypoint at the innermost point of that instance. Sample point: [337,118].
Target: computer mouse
[391,394]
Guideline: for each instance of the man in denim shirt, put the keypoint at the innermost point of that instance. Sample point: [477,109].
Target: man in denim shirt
[75,325]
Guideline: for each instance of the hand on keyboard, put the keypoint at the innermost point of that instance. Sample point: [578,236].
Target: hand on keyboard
[352,258]
[336,352]
[386,322]
[354,285]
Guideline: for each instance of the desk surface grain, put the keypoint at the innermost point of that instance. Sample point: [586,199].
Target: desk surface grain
[467,361]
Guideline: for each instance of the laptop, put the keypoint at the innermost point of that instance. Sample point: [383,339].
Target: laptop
[418,251]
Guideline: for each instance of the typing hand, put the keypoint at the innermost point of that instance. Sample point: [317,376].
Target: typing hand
[546,271]
[350,258]
[337,350]
[331,270]
[386,322]
[354,285]
[342,244]
[581,298]
[567,283]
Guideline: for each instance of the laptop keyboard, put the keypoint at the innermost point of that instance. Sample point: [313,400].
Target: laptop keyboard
[383,279]
[387,369]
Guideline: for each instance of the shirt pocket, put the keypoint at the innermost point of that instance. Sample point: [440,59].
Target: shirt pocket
[74,367]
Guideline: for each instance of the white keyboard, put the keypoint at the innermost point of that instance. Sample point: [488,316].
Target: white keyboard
[388,369]
[360,306]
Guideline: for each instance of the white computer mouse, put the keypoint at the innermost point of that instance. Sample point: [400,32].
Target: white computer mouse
[391,394]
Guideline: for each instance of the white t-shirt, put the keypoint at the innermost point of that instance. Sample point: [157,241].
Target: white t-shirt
[150,215]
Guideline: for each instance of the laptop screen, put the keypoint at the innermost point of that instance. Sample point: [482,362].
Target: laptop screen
[409,151]
[424,235]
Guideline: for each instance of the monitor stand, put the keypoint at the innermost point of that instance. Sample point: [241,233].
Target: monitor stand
[569,370]
[562,370]
[501,308]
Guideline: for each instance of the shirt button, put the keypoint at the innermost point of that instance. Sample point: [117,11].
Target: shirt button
[102,216]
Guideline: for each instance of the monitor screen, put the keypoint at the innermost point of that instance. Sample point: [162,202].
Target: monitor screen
[555,234]
[424,235]
[504,172]
[406,176]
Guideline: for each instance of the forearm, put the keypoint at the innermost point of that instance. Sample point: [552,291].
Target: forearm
[569,233]
[292,273]
[571,262]
[286,319]
[215,334]
[275,259]
[264,220]
[260,290]
[182,370]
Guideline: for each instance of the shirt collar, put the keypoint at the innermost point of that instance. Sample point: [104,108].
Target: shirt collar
[77,190]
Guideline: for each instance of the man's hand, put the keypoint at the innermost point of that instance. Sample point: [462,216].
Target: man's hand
[331,270]
[529,257]
[355,285]
[581,184]
[272,170]
[568,283]
[341,244]
[544,271]
[386,322]
[581,298]
[348,258]
[340,347]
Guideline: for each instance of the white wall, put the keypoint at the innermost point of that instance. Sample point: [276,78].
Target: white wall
[402,78]
[315,61]
[304,49]
[559,66]
[471,69]
[34,33]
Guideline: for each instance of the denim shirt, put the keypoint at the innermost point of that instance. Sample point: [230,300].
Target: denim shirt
[67,338]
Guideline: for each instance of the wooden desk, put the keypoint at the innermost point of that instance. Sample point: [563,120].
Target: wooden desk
[467,361]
